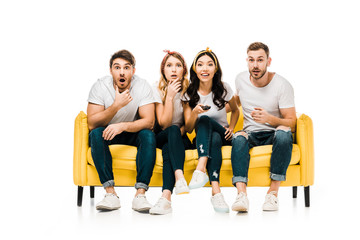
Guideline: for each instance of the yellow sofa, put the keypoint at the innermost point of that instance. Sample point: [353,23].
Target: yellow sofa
[299,173]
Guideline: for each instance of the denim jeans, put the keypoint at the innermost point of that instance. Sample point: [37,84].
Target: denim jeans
[144,140]
[210,137]
[282,142]
[173,147]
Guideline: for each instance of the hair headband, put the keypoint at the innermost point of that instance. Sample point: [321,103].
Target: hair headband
[212,54]
[171,53]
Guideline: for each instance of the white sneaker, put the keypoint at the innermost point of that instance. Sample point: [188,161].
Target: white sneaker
[241,203]
[219,203]
[181,187]
[140,203]
[163,206]
[110,202]
[271,202]
[198,180]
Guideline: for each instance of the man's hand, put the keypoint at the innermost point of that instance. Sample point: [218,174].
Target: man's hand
[122,99]
[112,130]
[260,115]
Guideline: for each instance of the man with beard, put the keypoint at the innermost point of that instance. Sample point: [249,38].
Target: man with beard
[267,100]
[121,111]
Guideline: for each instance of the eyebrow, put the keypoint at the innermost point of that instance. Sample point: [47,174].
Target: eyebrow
[124,64]
[210,61]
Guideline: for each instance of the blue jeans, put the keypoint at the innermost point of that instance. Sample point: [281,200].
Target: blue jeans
[282,142]
[144,140]
[210,137]
[173,147]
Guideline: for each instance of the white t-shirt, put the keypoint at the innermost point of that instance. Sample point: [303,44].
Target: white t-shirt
[103,93]
[274,96]
[214,112]
[178,111]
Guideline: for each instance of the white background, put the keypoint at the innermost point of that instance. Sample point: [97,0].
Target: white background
[51,53]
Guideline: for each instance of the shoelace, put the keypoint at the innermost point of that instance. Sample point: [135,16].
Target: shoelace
[158,203]
[240,197]
[197,176]
[271,198]
[179,183]
[220,200]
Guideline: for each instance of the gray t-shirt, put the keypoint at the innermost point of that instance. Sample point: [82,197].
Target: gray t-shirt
[178,112]
[214,112]
[274,96]
[103,93]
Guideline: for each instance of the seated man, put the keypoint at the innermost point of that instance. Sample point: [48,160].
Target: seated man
[121,111]
[267,100]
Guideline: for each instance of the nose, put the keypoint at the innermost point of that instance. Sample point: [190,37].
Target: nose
[173,69]
[121,72]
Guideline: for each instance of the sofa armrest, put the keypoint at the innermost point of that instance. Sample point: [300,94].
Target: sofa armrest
[81,145]
[305,141]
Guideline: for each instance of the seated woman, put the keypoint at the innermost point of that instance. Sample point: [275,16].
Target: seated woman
[204,110]
[170,132]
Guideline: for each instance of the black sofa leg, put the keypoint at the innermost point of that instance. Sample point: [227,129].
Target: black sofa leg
[80,195]
[294,192]
[307,196]
[92,191]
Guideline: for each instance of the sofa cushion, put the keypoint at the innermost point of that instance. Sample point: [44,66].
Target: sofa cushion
[124,157]
[259,156]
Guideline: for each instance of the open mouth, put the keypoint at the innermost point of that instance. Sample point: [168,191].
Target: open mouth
[122,80]
[205,74]
[174,76]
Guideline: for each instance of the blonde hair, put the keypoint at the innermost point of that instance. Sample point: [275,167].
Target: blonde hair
[163,83]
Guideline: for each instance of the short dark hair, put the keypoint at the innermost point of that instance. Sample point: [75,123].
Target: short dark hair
[123,54]
[257,46]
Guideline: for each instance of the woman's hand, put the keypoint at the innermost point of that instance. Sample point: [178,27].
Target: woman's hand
[228,133]
[198,109]
[173,88]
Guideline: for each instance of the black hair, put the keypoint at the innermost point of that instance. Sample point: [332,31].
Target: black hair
[218,89]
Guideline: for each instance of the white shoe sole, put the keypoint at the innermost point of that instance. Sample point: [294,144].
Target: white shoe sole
[142,210]
[270,209]
[106,208]
[239,209]
[160,213]
[221,210]
[182,192]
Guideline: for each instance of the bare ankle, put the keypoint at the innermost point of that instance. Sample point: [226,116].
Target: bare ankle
[110,190]
[166,194]
[140,191]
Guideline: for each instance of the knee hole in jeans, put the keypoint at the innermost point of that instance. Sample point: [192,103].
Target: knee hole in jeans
[283,128]
[241,133]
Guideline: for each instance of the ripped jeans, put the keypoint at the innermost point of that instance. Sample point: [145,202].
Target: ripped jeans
[210,137]
[282,142]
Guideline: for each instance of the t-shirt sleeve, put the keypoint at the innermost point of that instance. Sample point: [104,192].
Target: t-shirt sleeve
[147,95]
[95,95]
[230,92]
[156,94]
[237,85]
[286,98]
